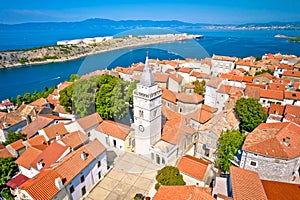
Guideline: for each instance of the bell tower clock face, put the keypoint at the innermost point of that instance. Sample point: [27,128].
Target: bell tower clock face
[141,128]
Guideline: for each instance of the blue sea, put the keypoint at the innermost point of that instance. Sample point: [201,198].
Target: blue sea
[240,43]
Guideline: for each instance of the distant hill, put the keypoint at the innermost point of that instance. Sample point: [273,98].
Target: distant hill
[105,24]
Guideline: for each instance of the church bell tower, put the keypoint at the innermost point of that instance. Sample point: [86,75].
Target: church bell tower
[147,112]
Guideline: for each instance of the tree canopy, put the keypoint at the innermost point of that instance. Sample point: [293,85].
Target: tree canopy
[229,143]
[199,87]
[169,175]
[7,168]
[65,98]
[250,112]
[12,137]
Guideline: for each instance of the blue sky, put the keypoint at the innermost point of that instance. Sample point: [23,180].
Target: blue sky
[203,11]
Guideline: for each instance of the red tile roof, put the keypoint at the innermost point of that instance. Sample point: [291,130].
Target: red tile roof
[200,75]
[214,82]
[209,108]
[267,75]
[4,153]
[42,186]
[176,77]
[201,116]
[292,95]
[238,78]
[292,109]
[36,141]
[54,130]
[228,89]
[185,70]
[17,181]
[276,86]
[278,190]
[285,66]
[169,95]
[268,140]
[252,92]
[66,167]
[17,145]
[50,155]
[291,73]
[271,94]
[39,102]
[11,118]
[225,58]
[189,98]
[38,124]
[193,167]
[114,129]
[246,184]
[27,158]
[188,192]
[160,77]
[52,99]
[75,139]
[64,85]
[90,121]
[276,109]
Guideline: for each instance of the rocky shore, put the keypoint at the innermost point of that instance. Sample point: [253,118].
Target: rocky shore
[61,53]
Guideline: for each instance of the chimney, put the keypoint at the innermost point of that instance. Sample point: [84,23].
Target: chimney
[286,141]
[83,155]
[40,164]
[5,125]
[57,136]
[58,183]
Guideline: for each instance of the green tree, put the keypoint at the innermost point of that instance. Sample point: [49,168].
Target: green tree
[169,175]
[250,112]
[65,98]
[118,103]
[19,100]
[229,143]
[199,87]
[27,97]
[257,58]
[7,168]
[129,93]
[12,137]
[74,77]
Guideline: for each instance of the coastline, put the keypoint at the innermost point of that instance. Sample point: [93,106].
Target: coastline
[144,41]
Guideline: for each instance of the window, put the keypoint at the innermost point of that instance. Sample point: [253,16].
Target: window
[141,113]
[152,156]
[253,163]
[83,190]
[163,161]
[107,140]
[71,189]
[99,164]
[99,175]
[89,134]
[82,178]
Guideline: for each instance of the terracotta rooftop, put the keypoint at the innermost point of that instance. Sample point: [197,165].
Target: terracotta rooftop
[52,99]
[50,155]
[75,139]
[169,95]
[214,82]
[292,109]
[39,102]
[276,109]
[17,181]
[54,130]
[267,75]
[228,89]
[243,62]
[200,75]
[90,121]
[38,142]
[42,186]
[285,66]
[276,86]
[279,190]
[201,116]
[17,145]
[193,167]
[176,77]
[158,77]
[280,140]
[114,129]
[123,70]
[60,109]
[189,98]
[291,73]
[246,184]
[66,167]
[27,158]
[64,85]
[292,95]
[209,108]
[11,118]
[185,70]
[225,58]
[4,153]
[187,192]
[271,94]
[238,78]
[37,124]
